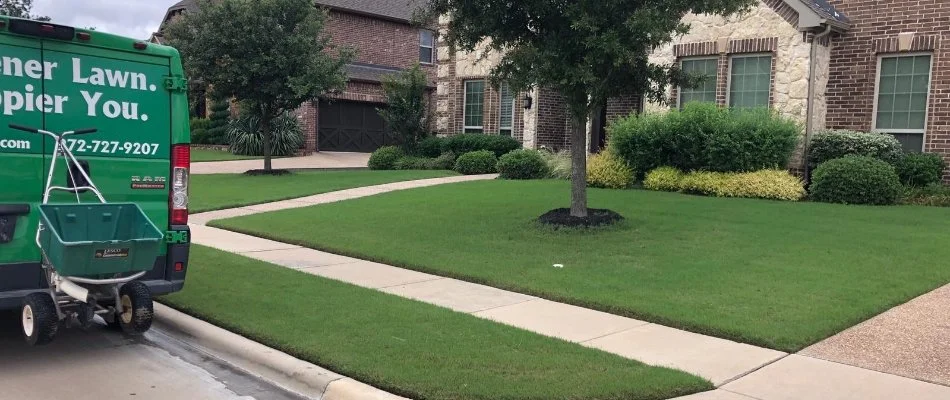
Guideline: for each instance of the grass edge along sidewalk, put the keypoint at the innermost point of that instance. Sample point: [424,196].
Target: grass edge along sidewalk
[407,347]
[775,274]
[222,191]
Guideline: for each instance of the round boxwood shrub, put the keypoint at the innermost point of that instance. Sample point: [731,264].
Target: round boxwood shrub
[522,164]
[829,145]
[444,161]
[385,158]
[476,163]
[919,170]
[856,180]
[469,142]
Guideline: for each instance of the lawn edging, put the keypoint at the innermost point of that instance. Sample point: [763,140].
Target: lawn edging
[281,368]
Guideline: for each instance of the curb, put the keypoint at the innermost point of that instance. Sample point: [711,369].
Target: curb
[280,368]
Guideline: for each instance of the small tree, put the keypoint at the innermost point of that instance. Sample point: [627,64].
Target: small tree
[272,54]
[19,9]
[218,122]
[406,112]
[586,50]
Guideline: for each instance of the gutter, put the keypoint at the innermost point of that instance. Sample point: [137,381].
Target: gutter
[809,114]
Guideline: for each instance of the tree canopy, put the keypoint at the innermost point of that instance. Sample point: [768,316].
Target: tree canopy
[274,55]
[20,9]
[586,50]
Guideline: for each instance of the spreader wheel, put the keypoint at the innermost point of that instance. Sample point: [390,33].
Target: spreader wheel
[39,319]
[135,308]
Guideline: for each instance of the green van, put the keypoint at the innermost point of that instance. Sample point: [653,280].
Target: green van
[134,93]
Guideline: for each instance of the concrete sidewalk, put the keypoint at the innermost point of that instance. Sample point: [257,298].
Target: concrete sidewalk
[324,160]
[740,371]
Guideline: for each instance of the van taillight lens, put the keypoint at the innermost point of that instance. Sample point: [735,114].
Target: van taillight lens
[178,196]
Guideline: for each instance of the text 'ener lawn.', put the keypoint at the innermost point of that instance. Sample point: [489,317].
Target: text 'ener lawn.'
[220,191]
[778,274]
[407,347]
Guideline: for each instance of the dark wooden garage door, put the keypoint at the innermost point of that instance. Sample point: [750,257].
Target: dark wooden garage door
[351,126]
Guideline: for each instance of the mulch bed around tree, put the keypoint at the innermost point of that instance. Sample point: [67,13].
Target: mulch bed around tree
[561,217]
[273,172]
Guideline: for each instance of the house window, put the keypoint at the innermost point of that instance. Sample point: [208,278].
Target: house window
[750,81]
[474,106]
[901,104]
[507,110]
[705,92]
[426,46]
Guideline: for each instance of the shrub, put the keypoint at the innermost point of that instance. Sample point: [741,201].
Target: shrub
[218,123]
[919,170]
[199,130]
[935,195]
[385,158]
[522,164]
[476,163]
[411,163]
[705,137]
[430,147]
[830,145]
[559,164]
[856,180]
[444,161]
[405,113]
[246,139]
[606,170]
[664,179]
[765,184]
[705,183]
[469,142]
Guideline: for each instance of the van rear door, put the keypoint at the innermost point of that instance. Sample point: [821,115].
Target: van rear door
[124,96]
[21,163]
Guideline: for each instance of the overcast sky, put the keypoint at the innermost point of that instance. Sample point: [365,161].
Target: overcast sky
[133,18]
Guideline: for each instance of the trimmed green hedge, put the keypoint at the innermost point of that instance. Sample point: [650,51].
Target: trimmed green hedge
[829,145]
[469,142]
[856,180]
[385,158]
[769,184]
[706,137]
[522,164]
[476,163]
[919,170]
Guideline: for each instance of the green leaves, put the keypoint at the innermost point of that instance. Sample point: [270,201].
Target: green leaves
[271,53]
[406,111]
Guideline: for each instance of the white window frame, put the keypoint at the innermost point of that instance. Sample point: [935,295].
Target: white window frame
[422,46]
[877,93]
[465,127]
[514,97]
[732,57]
[679,91]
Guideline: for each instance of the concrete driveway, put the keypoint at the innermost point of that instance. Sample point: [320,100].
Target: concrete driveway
[324,160]
[100,364]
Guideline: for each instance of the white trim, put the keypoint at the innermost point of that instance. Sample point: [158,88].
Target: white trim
[679,90]
[877,93]
[465,105]
[432,56]
[510,128]
[749,55]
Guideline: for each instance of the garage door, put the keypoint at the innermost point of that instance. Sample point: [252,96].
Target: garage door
[351,126]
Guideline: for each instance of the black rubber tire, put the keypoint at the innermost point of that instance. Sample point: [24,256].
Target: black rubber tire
[139,320]
[44,317]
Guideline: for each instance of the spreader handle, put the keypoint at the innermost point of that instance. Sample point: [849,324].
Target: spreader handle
[24,128]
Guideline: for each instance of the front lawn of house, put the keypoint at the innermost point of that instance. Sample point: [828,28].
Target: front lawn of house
[406,347]
[777,274]
[221,191]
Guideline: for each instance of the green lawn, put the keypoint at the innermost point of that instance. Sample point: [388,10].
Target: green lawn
[220,191]
[206,155]
[406,347]
[776,274]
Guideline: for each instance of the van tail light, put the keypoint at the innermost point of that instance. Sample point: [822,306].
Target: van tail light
[178,196]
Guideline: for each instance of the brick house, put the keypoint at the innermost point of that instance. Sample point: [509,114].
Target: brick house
[386,42]
[869,65]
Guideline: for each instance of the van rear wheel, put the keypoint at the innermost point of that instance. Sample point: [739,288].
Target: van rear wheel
[39,319]
[135,309]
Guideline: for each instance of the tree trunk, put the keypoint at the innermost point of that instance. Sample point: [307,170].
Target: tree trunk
[579,168]
[266,134]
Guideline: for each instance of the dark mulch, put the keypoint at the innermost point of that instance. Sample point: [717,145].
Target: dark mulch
[273,172]
[561,217]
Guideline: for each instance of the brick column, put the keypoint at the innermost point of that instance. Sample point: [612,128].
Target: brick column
[308,114]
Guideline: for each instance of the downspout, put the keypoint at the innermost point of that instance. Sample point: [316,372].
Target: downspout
[809,114]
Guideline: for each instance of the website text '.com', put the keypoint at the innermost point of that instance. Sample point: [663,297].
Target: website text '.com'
[14,144]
